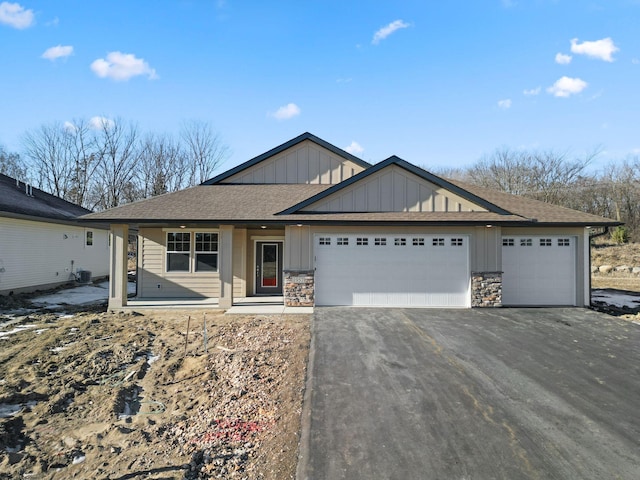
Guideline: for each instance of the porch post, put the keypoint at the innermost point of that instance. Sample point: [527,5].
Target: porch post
[118,266]
[226,266]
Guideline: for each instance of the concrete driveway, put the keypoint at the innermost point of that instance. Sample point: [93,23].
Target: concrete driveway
[471,394]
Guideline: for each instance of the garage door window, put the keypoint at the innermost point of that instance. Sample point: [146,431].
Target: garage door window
[526,242]
[508,242]
[418,242]
[399,242]
[564,242]
[380,241]
[545,242]
[456,242]
[438,242]
[324,241]
[343,241]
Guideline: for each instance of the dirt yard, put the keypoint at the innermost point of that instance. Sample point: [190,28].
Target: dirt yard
[95,395]
[603,253]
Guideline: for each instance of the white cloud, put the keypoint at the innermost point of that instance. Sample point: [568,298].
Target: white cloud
[286,112]
[600,49]
[14,15]
[532,91]
[505,104]
[355,148]
[122,66]
[59,51]
[69,126]
[563,59]
[566,86]
[387,30]
[98,123]
[635,61]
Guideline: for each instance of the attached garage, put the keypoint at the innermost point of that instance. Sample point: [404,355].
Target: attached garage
[394,270]
[539,270]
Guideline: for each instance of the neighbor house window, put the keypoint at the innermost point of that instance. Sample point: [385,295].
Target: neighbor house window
[206,252]
[178,250]
[89,239]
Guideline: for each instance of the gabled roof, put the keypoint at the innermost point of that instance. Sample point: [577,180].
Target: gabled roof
[394,160]
[18,199]
[281,148]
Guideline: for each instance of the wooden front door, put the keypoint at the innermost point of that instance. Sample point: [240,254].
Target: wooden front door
[269,268]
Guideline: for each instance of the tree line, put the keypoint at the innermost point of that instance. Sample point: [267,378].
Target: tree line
[104,163]
[111,163]
[558,178]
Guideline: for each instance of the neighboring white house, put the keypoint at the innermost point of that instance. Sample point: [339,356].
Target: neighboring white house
[42,245]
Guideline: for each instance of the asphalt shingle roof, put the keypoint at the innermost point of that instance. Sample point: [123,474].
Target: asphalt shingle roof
[14,201]
[262,203]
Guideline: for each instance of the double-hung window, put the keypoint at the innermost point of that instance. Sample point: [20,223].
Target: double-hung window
[192,252]
[178,250]
[206,252]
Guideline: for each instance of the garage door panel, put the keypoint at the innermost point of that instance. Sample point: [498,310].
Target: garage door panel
[538,270]
[392,270]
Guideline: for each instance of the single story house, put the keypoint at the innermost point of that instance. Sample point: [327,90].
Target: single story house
[42,244]
[319,226]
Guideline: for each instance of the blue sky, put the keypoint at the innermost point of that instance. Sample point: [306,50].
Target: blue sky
[438,83]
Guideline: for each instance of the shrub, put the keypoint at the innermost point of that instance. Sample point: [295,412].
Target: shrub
[620,235]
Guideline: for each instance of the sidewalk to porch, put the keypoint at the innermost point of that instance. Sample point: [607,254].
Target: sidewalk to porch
[264,305]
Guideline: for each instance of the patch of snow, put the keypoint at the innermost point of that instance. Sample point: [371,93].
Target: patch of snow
[78,459]
[80,295]
[40,330]
[10,409]
[619,300]
[151,358]
[20,328]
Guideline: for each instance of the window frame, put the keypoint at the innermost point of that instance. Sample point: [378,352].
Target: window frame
[192,253]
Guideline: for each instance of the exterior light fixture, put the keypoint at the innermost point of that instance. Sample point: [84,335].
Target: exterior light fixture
[183,226]
[263,226]
[299,225]
[489,225]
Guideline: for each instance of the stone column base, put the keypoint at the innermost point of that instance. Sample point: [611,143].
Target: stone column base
[298,288]
[486,289]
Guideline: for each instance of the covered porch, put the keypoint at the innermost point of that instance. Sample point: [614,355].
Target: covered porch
[237,268]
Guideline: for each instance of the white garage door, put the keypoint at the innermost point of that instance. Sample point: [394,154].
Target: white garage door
[392,270]
[538,270]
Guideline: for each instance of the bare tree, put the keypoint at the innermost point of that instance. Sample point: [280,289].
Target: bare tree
[83,158]
[118,154]
[163,166]
[205,149]
[11,164]
[47,147]
[543,175]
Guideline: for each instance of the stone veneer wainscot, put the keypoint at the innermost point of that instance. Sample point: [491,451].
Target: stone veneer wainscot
[486,289]
[298,288]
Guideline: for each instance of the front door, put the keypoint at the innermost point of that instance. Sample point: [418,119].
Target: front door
[269,268]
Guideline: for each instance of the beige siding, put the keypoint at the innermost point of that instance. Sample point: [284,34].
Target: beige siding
[239,262]
[155,282]
[304,163]
[393,189]
[298,246]
[38,254]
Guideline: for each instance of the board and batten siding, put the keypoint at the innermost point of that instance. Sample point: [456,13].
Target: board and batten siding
[37,255]
[155,282]
[393,189]
[306,163]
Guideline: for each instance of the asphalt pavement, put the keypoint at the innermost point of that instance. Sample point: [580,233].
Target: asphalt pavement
[471,394]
